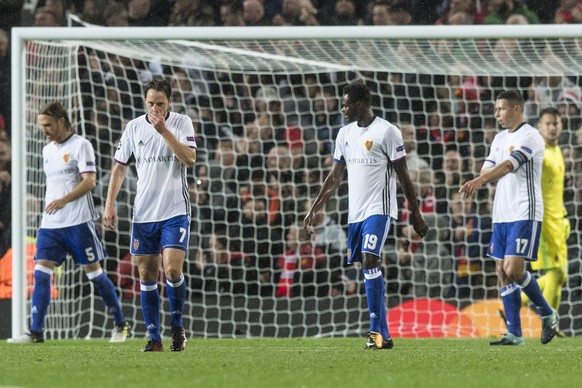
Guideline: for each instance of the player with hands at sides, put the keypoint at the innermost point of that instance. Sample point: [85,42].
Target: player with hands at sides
[515,162]
[162,145]
[68,222]
[373,151]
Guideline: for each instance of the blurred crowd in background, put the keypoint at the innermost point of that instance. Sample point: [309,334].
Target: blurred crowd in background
[266,142]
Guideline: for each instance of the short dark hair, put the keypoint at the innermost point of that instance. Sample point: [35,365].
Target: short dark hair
[358,92]
[57,110]
[513,96]
[549,111]
[159,85]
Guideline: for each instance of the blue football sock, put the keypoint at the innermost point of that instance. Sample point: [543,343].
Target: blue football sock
[106,289]
[150,307]
[375,295]
[41,297]
[531,288]
[511,297]
[176,290]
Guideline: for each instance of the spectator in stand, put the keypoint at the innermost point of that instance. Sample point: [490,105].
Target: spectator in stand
[306,268]
[254,13]
[388,13]
[569,11]
[261,241]
[222,268]
[476,9]
[59,9]
[296,13]
[500,10]
[5,196]
[413,160]
[546,91]
[139,13]
[468,247]
[328,234]
[453,169]
[183,95]
[115,15]
[380,13]
[191,13]
[45,17]
[91,11]
[569,105]
[345,14]
[325,119]
[231,13]
[429,260]
[5,95]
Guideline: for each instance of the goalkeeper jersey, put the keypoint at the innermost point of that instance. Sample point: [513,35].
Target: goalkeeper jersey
[518,195]
[162,190]
[369,153]
[553,193]
[63,165]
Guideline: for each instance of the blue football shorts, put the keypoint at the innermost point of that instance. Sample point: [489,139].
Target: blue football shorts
[82,242]
[151,238]
[367,236]
[519,238]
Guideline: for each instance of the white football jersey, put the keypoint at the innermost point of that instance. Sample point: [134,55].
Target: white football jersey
[63,165]
[369,153]
[162,190]
[518,196]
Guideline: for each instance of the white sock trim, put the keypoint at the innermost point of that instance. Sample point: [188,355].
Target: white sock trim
[176,284]
[145,287]
[526,281]
[94,274]
[373,275]
[43,269]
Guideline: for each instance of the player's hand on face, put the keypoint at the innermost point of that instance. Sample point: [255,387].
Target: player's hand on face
[157,118]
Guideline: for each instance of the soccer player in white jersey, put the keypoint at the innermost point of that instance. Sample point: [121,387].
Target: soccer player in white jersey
[515,162]
[373,151]
[163,147]
[68,221]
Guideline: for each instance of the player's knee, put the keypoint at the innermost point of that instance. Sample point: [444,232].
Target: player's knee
[370,261]
[514,273]
[173,273]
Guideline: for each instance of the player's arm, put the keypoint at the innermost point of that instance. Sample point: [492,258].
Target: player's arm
[416,219]
[330,185]
[183,152]
[115,182]
[488,175]
[88,183]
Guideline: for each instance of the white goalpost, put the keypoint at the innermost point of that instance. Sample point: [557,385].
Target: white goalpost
[265,104]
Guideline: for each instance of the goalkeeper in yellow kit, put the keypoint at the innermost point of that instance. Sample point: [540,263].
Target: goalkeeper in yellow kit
[553,252]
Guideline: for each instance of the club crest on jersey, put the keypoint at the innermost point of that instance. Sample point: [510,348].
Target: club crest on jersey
[368,144]
[135,244]
[67,157]
[511,148]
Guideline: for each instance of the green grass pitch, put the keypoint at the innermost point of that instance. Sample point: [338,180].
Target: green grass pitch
[328,362]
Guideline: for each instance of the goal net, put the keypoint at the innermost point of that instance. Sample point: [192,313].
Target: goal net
[265,104]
